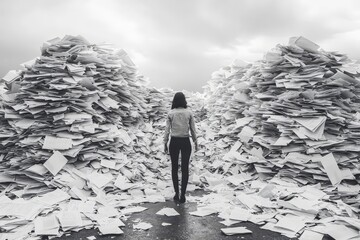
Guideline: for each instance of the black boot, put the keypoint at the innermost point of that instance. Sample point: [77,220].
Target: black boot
[176,197]
[182,198]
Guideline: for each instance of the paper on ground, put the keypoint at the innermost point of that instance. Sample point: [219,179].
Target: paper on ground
[110,229]
[229,222]
[310,235]
[55,163]
[168,212]
[203,211]
[142,226]
[133,210]
[111,221]
[336,231]
[235,230]
[291,222]
[165,224]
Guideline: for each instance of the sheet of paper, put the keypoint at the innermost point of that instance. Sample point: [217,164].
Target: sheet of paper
[133,210]
[311,124]
[142,226]
[11,76]
[124,136]
[291,222]
[240,214]
[123,183]
[304,44]
[111,221]
[307,235]
[282,141]
[108,164]
[229,222]
[55,163]
[246,134]
[336,231]
[203,211]
[110,229]
[331,168]
[53,197]
[235,230]
[69,219]
[167,212]
[46,225]
[100,180]
[108,211]
[56,143]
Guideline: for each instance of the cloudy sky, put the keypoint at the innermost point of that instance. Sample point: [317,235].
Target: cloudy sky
[178,44]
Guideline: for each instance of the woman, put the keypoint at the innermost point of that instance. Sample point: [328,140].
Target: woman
[178,123]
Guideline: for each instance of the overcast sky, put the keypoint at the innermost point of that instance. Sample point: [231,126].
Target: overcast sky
[178,43]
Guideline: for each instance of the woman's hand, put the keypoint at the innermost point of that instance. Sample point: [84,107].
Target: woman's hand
[166,150]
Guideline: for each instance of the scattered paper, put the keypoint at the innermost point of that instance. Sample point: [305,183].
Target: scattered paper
[235,230]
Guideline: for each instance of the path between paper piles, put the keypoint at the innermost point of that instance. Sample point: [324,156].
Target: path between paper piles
[184,226]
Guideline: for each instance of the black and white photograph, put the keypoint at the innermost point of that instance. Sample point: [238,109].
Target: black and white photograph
[179,120]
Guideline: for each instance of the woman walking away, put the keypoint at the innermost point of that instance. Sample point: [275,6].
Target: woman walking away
[178,123]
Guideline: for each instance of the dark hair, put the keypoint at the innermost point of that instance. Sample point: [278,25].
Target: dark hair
[179,101]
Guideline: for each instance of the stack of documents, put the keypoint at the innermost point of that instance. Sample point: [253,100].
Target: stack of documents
[226,94]
[72,129]
[75,104]
[299,129]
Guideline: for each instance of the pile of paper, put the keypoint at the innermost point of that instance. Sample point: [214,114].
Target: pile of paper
[73,104]
[226,94]
[299,132]
[73,121]
[302,117]
[305,115]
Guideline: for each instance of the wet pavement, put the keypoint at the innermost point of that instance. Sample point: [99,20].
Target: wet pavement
[184,226]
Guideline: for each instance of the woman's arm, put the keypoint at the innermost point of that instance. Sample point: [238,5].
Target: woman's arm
[167,133]
[193,130]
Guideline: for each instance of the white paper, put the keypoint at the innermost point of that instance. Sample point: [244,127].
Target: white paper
[331,168]
[142,226]
[46,225]
[133,210]
[55,163]
[110,229]
[235,230]
[246,134]
[310,235]
[100,180]
[70,219]
[168,212]
[56,143]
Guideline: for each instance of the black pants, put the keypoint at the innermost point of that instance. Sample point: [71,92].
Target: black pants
[177,145]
